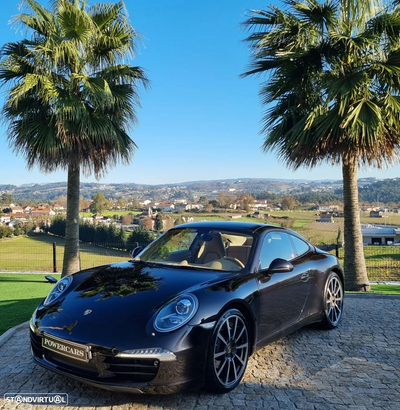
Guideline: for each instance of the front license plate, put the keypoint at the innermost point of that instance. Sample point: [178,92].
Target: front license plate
[66,348]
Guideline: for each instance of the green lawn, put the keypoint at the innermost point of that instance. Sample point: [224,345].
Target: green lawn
[21,293]
[386,289]
[19,296]
[35,253]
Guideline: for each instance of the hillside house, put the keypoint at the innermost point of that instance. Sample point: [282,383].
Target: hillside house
[367,208]
[165,207]
[58,208]
[42,212]
[380,235]
[5,218]
[326,217]
[43,206]
[376,214]
[17,210]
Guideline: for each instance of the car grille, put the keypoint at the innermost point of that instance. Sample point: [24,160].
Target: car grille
[102,367]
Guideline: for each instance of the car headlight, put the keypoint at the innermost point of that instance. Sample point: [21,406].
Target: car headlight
[176,313]
[59,288]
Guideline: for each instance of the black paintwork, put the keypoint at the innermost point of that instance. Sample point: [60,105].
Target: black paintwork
[124,299]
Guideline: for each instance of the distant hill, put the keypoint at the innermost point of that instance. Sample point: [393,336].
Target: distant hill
[41,192]
[384,191]
[371,190]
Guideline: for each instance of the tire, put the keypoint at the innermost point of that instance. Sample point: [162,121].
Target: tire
[228,352]
[333,301]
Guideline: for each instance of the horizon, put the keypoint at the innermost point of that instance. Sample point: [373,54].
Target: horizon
[298,180]
[199,120]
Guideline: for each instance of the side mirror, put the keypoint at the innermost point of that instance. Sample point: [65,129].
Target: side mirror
[50,279]
[279,265]
[136,251]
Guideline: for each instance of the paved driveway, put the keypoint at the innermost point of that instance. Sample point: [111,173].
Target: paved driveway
[356,366]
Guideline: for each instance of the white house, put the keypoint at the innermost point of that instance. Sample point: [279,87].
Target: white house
[5,218]
[380,234]
[17,210]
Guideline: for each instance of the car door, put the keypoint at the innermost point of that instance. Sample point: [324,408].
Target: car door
[282,294]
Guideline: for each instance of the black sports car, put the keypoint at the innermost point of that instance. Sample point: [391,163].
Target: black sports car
[188,310]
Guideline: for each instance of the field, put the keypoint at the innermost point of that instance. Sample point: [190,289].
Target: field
[35,253]
[20,294]
[304,222]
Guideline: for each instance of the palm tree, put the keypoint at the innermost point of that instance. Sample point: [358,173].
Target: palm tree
[71,95]
[332,94]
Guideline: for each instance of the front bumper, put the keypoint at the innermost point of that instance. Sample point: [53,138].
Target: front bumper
[139,371]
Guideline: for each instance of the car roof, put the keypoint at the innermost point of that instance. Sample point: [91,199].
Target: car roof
[244,227]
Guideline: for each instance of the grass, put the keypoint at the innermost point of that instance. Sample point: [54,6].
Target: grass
[386,289]
[35,253]
[19,296]
[21,293]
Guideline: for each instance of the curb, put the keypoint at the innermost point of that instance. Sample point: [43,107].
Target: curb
[8,333]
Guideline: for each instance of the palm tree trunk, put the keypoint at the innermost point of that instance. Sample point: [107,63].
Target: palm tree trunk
[356,278]
[72,262]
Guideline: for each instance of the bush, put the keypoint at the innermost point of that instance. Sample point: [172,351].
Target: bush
[139,236]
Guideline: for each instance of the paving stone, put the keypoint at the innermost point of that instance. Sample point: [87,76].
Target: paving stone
[355,367]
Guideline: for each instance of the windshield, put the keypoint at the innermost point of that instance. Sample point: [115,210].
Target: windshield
[200,248]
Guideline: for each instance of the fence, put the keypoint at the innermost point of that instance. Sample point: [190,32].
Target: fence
[48,257]
[383,261]
[44,253]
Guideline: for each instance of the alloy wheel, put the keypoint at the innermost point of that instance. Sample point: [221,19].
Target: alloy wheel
[333,300]
[230,352]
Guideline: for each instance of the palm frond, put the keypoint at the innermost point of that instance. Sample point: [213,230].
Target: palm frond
[71,98]
[333,81]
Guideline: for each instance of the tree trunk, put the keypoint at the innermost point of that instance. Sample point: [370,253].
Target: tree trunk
[355,271]
[72,262]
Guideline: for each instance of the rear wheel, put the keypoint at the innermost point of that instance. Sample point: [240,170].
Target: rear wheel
[228,352]
[333,301]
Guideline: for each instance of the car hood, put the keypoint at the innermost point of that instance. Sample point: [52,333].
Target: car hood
[125,291]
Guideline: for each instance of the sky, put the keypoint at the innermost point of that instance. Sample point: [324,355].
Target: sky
[199,120]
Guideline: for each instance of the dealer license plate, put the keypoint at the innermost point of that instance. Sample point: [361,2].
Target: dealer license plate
[66,348]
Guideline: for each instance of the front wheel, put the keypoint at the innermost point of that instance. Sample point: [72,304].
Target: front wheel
[228,352]
[333,301]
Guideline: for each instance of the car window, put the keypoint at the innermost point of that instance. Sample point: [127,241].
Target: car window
[300,247]
[275,245]
[201,248]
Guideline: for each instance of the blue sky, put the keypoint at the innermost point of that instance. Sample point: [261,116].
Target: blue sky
[199,120]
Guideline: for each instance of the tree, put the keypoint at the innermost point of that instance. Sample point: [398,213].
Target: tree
[99,203]
[203,200]
[288,202]
[134,204]
[139,236]
[121,203]
[127,219]
[332,94]
[6,198]
[158,223]
[225,200]
[209,207]
[71,97]
[245,201]
[60,200]
[84,203]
